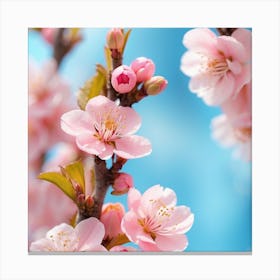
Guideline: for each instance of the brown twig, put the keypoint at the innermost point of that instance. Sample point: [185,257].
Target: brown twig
[226,31]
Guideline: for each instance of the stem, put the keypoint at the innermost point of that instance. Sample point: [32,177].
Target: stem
[226,31]
[102,182]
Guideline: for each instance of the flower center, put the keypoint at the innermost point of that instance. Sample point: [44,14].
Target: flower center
[63,241]
[123,79]
[217,67]
[108,127]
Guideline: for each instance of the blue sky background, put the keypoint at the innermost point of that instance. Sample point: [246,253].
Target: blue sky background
[204,175]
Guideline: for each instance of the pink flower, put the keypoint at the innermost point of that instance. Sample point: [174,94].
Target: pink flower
[234,127]
[239,137]
[111,217]
[155,85]
[154,222]
[123,79]
[218,66]
[86,236]
[122,183]
[144,68]
[105,128]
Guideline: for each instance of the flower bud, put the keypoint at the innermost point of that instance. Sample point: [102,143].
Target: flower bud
[123,79]
[155,85]
[144,68]
[115,39]
[111,217]
[89,202]
[122,184]
[49,34]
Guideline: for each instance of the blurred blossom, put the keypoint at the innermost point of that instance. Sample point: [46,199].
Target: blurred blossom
[154,222]
[86,236]
[228,134]
[219,66]
[49,96]
[49,34]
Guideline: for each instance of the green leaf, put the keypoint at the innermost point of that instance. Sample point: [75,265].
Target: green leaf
[60,181]
[93,87]
[126,36]
[108,58]
[75,171]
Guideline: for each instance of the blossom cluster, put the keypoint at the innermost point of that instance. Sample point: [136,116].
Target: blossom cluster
[219,68]
[100,131]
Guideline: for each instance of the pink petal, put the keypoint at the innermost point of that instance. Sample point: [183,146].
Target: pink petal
[202,82]
[90,233]
[130,119]
[99,106]
[131,227]
[172,243]
[133,199]
[239,104]
[245,37]
[90,144]
[148,246]
[200,40]
[222,91]
[107,153]
[231,48]
[242,79]
[76,122]
[43,244]
[182,218]
[133,146]
[191,63]
[235,67]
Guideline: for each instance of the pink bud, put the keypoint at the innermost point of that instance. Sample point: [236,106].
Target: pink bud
[115,39]
[122,184]
[111,217]
[49,34]
[89,201]
[144,68]
[123,79]
[155,85]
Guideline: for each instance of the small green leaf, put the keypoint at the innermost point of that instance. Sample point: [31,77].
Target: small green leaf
[60,181]
[75,171]
[126,36]
[108,58]
[93,87]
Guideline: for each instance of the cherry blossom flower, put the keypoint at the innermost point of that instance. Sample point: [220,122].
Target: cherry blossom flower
[49,96]
[123,79]
[144,68]
[229,136]
[219,66]
[234,127]
[49,34]
[86,236]
[154,222]
[111,217]
[105,128]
